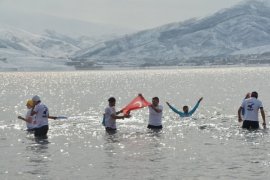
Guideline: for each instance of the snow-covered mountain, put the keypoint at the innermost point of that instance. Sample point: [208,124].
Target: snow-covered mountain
[38,41]
[240,34]
[21,50]
[44,42]
[242,29]
[36,45]
[24,50]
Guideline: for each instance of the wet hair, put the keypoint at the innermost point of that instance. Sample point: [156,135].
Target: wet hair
[254,94]
[155,98]
[111,99]
[185,108]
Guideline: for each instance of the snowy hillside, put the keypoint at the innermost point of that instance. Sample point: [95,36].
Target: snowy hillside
[43,42]
[34,44]
[238,35]
[241,29]
[20,49]
[23,50]
[11,60]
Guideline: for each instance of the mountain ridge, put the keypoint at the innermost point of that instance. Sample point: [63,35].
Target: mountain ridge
[243,26]
[240,34]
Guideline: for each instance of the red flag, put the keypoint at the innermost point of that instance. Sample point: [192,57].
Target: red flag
[137,103]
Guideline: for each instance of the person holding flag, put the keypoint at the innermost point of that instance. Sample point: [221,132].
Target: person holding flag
[155,115]
[111,115]
[155,110]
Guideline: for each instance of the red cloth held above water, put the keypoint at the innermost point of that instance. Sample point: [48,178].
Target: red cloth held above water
[137,103]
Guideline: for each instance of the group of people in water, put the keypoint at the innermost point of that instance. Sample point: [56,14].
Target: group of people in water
[248,110]
[155,114]
[36,117]
[38,114]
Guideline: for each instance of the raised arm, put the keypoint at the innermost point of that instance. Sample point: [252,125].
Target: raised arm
[195,107]
[175,110]
[155,108]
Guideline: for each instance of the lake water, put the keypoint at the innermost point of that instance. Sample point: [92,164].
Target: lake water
[209,146]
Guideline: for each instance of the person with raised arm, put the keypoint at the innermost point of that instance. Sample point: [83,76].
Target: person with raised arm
[186,112]
[155,115]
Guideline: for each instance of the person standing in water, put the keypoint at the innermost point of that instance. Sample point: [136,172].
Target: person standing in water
[155,115]
[111,115]
[251,106]
[186,112]
[28,118]
[246,97]
[41,112]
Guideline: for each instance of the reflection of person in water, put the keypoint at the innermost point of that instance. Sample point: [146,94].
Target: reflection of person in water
[251,106]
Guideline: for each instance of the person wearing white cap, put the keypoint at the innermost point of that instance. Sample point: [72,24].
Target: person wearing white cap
[35,98]
[41,119]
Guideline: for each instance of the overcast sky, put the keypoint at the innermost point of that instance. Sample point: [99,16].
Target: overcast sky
[136,14]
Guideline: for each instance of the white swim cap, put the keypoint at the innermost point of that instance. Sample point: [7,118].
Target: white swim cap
[36,98]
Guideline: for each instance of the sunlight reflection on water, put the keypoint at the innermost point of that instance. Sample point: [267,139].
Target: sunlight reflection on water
[209,145]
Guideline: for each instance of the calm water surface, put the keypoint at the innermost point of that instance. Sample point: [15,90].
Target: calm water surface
[208,146]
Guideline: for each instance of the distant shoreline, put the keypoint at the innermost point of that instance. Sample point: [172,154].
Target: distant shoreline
[115,68]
